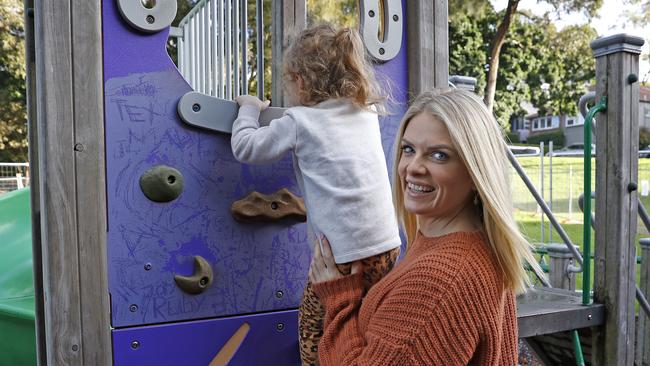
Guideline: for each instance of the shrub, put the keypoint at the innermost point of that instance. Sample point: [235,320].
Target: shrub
[557,138]
[512,138]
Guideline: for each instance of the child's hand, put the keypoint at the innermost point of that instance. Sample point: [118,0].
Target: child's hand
[251,100]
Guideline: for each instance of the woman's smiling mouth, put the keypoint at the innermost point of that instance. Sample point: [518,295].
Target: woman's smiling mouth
[415,188]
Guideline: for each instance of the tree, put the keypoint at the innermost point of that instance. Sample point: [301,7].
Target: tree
[13,111]
[534,55]
[589,7]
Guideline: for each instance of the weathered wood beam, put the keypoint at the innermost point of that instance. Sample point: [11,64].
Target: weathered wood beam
[289,16]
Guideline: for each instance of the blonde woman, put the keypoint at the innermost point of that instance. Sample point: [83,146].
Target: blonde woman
[451,299]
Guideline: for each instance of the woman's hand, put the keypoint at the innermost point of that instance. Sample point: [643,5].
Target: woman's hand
[251,100]
[323,268]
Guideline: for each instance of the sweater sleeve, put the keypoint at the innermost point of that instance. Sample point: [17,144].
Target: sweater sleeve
[416,323]
[259,145]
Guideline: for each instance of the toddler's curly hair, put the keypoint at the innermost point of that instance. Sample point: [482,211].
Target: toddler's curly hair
[332,64]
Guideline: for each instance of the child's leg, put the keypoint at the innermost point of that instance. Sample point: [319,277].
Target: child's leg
[311,312]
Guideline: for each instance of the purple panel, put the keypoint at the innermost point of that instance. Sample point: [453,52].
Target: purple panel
[258,268]
[197,342]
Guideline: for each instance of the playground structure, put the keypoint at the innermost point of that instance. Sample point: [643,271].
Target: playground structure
[128,272]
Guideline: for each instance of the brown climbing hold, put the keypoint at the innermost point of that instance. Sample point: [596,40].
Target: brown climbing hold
[258,207]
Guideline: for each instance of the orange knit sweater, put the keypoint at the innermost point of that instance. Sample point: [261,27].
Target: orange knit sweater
[443,304]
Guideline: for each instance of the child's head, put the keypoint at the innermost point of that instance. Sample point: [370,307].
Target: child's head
[322,63]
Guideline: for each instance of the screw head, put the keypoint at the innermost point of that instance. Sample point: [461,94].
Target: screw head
[632,78]
[371,13]
[632,186]
[150,19]
[196,107]
[274,205]
[382,51]
[78,147]
[395,17]
[133,308]
[75,347]
[279,294]
[589,317]
[147,266]
[135,345]
[204,281]
[280,327]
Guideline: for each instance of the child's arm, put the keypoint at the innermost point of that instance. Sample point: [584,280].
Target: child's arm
[257,145]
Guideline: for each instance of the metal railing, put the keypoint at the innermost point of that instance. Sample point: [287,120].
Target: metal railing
[213,48]
[13,176]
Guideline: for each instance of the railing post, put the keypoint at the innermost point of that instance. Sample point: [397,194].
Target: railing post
[642,352]
[617,136]
[288,16]
[560,258]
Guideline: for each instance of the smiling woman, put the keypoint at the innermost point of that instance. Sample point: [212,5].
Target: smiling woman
[451,299]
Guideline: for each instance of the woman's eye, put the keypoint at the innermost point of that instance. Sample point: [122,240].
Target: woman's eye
[407,149]
[438,155]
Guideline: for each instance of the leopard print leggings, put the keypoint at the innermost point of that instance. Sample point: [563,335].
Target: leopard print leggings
[311,312]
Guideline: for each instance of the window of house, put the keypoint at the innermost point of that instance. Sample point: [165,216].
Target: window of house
[570,121]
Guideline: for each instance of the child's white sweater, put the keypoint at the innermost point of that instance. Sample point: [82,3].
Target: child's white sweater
[340,168]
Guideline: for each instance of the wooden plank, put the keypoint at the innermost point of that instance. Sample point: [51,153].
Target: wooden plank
[34,190]
[289,16]
[91,181]
[427,45]
[63,335]
[617,141]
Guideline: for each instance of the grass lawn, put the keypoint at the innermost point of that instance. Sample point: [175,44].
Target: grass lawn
[567,186]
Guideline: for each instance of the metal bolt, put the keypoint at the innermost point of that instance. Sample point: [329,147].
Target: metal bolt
[589,317]
[150,19]
[382,51]
[395,17]
[631,187]
[147,267]
[78,147]
[371,13]
[279,294]
[135,345]
[632,78]
[280,327]
[204,281]
[75,347]
[274,205]
[133,308]
[196,107]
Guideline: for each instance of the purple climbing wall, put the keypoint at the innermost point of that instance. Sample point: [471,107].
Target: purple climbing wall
[258,269]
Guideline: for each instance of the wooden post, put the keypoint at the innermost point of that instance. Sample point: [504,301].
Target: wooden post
[560,258]
[34,191]
[428,45]
[70,130]
[288,16]
[642,352]
[617,137]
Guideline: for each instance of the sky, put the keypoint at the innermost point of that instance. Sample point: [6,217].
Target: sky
[610,20]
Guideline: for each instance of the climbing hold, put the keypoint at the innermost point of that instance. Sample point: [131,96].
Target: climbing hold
[161,183]
[261,207]
[199,281]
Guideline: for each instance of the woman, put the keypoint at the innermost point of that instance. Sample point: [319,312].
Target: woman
[451,300]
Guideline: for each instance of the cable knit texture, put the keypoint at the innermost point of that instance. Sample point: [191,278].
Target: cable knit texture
[443,304]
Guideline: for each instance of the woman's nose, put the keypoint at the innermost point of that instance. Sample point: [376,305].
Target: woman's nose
[416,166]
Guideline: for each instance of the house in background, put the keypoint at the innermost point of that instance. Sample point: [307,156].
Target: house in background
[572,126]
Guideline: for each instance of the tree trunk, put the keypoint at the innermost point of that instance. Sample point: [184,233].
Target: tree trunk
[498,41]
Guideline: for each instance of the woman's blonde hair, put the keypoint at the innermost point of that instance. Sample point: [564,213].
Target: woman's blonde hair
[332,64]
[478,139]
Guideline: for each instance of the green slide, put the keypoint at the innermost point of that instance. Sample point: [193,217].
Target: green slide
[17,333]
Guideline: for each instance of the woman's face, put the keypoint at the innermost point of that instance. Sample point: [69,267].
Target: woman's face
[434,180]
